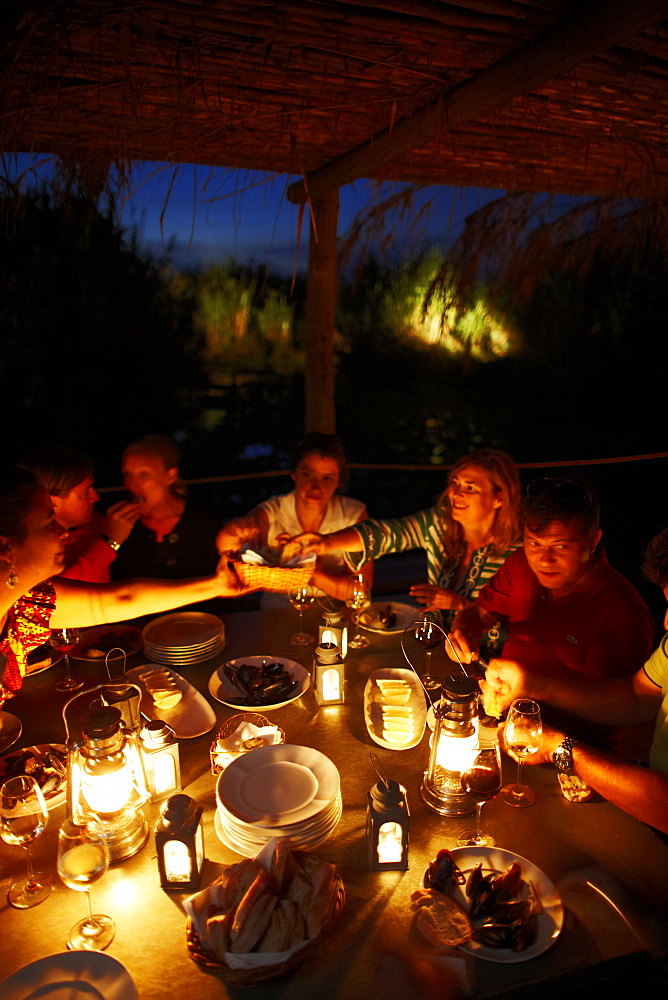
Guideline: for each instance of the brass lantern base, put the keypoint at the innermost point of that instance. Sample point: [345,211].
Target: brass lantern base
[125,833]
[446,798]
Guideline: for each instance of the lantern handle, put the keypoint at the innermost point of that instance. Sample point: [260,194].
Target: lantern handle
[411,628]
[89,691]
[116,649]
[378,768]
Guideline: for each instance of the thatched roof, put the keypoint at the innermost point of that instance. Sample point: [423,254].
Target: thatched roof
[543,95]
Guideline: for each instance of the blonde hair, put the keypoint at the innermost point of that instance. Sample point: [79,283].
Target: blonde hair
[502,473]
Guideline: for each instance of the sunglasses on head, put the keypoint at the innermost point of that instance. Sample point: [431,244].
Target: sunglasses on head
[564,490]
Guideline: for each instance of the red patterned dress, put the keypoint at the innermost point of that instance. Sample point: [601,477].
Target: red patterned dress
[26,628]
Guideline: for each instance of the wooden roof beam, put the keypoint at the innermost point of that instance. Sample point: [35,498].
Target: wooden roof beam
[549,55]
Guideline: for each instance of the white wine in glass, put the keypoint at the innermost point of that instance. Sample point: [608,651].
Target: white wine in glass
[429,633]
[522,737]
[358,597]
[23,817]
[83,858]
[301,598]
[64,640]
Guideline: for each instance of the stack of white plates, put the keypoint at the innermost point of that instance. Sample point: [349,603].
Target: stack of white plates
[183,638]
[284,791]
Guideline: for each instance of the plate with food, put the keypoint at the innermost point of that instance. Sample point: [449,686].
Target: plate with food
[259,681]
[492,903]
[95,643]
[168,696]
[395,710]
[388,617]
[46,763]
[42,658]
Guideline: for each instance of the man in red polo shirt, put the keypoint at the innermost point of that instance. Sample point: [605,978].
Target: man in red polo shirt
[566,609]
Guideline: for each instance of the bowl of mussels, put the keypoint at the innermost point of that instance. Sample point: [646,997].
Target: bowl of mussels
[259,682]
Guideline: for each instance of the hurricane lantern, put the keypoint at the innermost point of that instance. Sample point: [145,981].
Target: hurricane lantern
[387,820]
[334,628]
[328,673]
[453,746]
[107,781]
[161,759]
[179,843]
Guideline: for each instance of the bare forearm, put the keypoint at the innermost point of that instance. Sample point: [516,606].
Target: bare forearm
[335,585]
[637,790]
[613,702]
[344,540]
[80,605]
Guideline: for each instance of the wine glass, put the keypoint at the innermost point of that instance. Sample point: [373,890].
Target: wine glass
[358,597]
[83,858]
[301,598]
[64,640]
[23,817]
[522,736]
[482,781]
[429,633]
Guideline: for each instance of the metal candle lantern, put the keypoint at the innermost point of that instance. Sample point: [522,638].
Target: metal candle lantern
[161,759]
[334,628]
[179,843]
[387,820]
[328,675]
[453,747]
[107,780]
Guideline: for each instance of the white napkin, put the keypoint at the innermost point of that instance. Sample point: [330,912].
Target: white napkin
[271,558]
[234,744]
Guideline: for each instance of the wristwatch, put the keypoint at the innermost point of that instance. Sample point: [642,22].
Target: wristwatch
[562,757]
[110,541]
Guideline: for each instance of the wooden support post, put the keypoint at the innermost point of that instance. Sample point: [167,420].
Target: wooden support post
[321,294]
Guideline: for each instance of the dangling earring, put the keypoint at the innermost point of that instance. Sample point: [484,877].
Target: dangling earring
[12,578]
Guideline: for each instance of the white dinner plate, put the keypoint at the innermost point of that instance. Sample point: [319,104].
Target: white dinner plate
[124,637]
[225,691]
[56,798]
[550,921]
[406,613]
[249,848]
[373,706]
[10,730]
[192,716]
[278,784]
[183,630]
[72,975]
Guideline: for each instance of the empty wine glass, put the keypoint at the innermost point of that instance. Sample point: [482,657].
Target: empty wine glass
[23,817]
[358,597]
[482,781]
[83,858]
[429,633]
[64,640]
[522,737]
[301,598]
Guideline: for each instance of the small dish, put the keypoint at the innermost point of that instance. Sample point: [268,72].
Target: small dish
[374,700]
[52,799]
[109,637]
[228,693]
[404,615]
[192,716]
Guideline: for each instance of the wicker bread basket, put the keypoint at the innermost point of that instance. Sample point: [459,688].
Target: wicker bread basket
[251,977]
[277,579]
[230,727]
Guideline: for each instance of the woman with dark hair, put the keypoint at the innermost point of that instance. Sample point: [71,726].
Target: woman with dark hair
[31,602]
[93,539]
[172,538]
[467,535]
[319,470]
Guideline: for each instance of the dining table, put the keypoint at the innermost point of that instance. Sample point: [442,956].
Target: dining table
[609,869]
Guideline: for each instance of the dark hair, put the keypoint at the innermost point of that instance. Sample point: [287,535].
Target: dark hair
[159,446]
[18,489]
[58,469]
[326,446]
[502,473]
[655,563]
[547,500]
